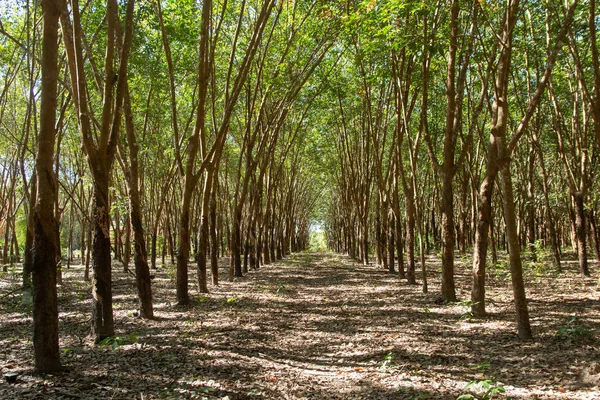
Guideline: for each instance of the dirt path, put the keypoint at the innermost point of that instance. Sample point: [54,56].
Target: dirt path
[316,326]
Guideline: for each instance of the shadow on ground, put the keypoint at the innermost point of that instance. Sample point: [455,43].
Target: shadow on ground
[315,326]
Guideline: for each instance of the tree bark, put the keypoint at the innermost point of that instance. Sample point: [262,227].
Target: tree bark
[45,301]
[580,232]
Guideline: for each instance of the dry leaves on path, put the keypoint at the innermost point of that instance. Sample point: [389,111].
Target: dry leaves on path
[314,326]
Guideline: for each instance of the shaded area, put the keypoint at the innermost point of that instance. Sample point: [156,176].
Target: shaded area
[316,326]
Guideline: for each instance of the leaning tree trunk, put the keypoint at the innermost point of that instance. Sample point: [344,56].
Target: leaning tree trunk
[514,248]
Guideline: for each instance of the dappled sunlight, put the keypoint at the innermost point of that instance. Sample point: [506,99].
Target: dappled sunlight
[316,325]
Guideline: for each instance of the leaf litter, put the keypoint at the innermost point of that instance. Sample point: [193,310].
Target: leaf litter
[314,326]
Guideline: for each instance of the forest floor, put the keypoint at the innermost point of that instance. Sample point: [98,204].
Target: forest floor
[315,326]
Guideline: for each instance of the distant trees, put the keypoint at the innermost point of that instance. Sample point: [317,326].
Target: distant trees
[496,69]
[222,99]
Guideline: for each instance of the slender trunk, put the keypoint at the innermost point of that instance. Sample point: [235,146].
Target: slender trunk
[140,257]
[516,268]
[390,239]
[117,234]
[236,243]
[28,261]
[204,234]
[410,239]
[448,237]
[484,219]
[102,312]
[580,232]
[127,244]
[594,234]
[549,213]
[135,221]
[214,245]
[153,245]
[45,302]
[183,251]
[88,253]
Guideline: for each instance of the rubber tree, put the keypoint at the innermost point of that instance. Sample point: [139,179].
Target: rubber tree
[45,301]
[100,149]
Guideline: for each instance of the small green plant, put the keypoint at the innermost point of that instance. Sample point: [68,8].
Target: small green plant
[486,389]
[537,258]
[171,272]
[281,289]
[426,310]
[233,300]
[501,270]
[388,361]
[483,366]
[115,341]
[208,389]
[574,329]
[467,315]
[202,299]
[81,288]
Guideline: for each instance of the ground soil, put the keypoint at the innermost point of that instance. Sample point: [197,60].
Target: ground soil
[315,326]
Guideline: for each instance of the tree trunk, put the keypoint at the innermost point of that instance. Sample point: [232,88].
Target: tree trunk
[580,232]
[390,239]
[214,245]
[45,302]
[594,235]
[410,240]
[183,252]
[140,255]
[448,237]
[514,248]
[204,234]
[236,244]
[28,261]
[102,313]
[484,221]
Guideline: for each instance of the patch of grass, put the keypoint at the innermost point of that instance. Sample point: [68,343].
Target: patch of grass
[573,329]
[485,366]
[115,341]
[171,272]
